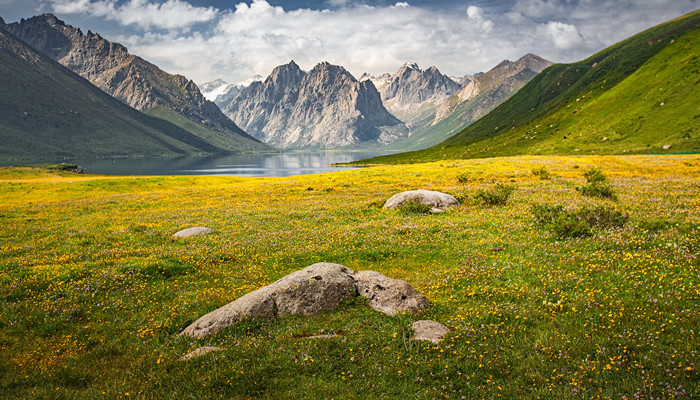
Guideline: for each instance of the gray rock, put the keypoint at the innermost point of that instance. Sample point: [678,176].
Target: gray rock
[199,352]
[389,296]
[429,197]
[195,231]
[317,288]
[429,330]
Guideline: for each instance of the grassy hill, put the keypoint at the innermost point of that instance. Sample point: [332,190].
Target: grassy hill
[48,112]
[93,291]
[639,96]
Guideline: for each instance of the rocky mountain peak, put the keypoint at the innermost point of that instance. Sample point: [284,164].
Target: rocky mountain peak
[409,88]
[324,108]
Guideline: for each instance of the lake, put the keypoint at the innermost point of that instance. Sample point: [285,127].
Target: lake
[279,164]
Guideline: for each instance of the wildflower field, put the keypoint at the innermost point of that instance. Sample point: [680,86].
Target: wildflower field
[544,299]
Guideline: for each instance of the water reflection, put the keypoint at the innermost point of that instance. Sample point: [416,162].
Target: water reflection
[283,164]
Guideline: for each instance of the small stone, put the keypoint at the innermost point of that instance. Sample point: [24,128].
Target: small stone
[200,352]
[429,330]
[666,147]
[189,232]
[435,210]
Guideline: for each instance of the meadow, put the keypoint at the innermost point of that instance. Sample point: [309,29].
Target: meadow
[93,290]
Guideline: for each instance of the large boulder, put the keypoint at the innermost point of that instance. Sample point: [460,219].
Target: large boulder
[315,289]
[189,232]
[389,296]
[434,199]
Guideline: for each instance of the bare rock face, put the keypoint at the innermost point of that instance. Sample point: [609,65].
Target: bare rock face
[434,199]
[389,296]
[409,88]
[323,108]
[315,289]
[429,330]
[194,231]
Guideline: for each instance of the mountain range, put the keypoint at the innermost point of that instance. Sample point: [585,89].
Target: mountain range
[48,111]
[638,96]
[222,92]
[322,108]
[133,80]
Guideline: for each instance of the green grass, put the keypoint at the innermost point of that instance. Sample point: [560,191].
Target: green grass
[93,291]
[639,96]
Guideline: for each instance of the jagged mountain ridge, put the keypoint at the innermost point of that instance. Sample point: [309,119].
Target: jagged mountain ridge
[410,88]
[132,79]
[50,113]
[323,108]
[480,95]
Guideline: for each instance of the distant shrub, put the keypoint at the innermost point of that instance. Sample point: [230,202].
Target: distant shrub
[465,178]
[415,208]
[598,185]
[542,173]
[577,223]
[497,196]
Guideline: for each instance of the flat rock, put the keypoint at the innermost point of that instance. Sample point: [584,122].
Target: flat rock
[434,199]
[195,231]
[317,288]
[429,330]
[199,352]
[389,296]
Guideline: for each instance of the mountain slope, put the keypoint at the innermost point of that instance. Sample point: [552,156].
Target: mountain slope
[324,108]
[638,96]
[49,112]
[472,101]
[133,80]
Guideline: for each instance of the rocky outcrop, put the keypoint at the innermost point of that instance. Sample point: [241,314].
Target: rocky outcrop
[125,76]
[315,289]
[429,330]
[324,108]
[194,231]
[410,88]
[432,198]
[389,296]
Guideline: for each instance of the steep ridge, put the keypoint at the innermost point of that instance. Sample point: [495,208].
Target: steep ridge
[133,80]
[410,90]
[49,112]
[324,108]
[476,98]
[638,96]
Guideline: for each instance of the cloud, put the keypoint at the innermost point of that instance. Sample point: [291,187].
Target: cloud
[255,36]
[564,36]
[171,14]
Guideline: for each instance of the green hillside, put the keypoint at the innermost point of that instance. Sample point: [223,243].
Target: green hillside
[639,96]
[48,112]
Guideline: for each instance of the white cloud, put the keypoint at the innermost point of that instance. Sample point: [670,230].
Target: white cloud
[564,36]
[254,37]
[171,14]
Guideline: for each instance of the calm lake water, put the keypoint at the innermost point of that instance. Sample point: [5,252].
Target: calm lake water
[284,164]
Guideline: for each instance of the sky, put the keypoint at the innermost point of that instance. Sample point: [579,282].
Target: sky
[234,39]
